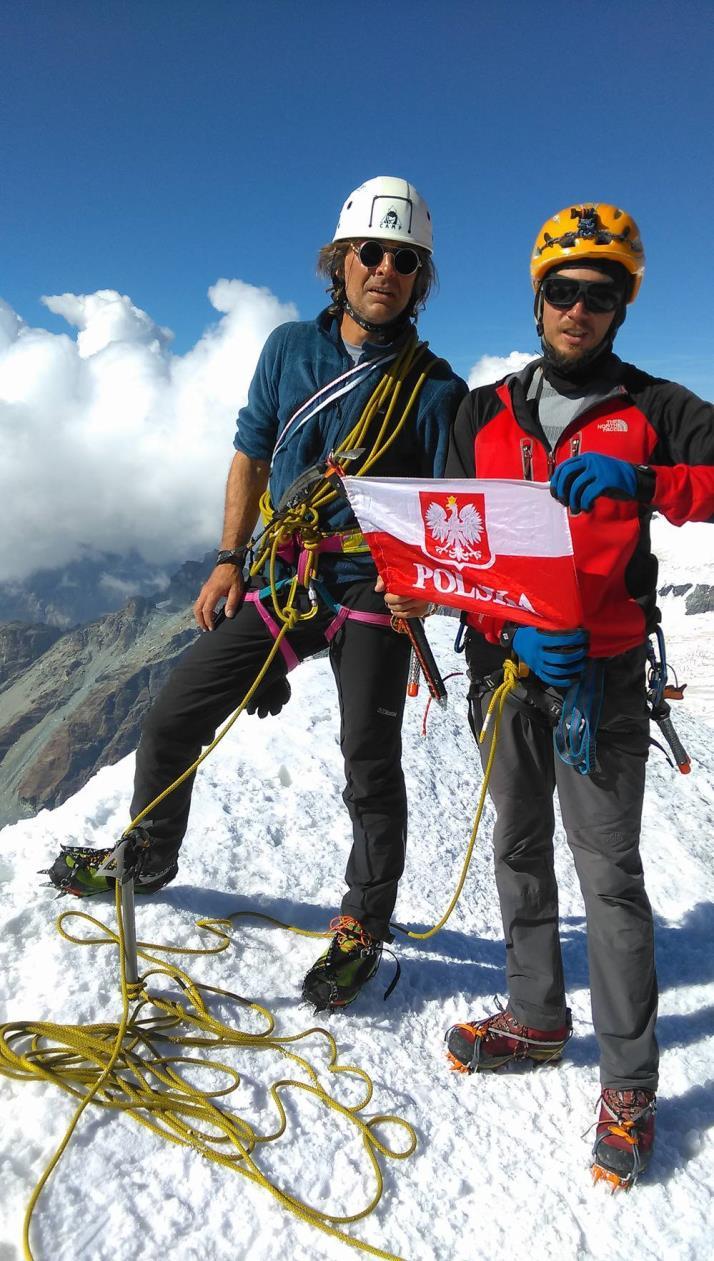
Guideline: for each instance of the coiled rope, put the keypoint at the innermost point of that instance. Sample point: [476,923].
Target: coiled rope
[131,1068]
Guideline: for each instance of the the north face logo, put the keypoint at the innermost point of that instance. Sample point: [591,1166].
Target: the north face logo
[455,528]
[614,426]
[391,221]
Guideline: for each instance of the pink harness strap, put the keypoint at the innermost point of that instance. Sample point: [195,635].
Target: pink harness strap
[289,657]
[293,552]
[372,619]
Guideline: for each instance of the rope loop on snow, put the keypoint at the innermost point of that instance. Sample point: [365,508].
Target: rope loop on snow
[135,1067]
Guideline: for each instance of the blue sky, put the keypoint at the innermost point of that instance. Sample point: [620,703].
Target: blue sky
[153,147]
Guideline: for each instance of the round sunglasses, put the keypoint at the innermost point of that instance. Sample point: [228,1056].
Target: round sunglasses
[371,253]
[598,295]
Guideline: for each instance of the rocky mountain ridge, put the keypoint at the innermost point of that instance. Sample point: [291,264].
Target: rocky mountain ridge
[74,702]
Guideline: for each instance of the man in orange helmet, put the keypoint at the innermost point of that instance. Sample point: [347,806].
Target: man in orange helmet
[615,444]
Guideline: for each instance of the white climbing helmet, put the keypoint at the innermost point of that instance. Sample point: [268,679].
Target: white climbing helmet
[388,209]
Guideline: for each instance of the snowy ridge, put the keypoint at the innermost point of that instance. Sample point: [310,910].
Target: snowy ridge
[502,1164]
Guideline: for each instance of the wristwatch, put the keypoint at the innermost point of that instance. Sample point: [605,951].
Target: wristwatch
[232,556]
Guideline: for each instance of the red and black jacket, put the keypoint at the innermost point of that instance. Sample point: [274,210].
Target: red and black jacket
[657,425]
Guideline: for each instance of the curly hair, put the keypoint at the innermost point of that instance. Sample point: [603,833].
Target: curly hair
[331,265]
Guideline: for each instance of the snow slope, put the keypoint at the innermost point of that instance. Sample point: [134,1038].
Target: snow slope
[502,1164]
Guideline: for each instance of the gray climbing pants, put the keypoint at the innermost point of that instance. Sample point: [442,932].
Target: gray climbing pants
[601,815]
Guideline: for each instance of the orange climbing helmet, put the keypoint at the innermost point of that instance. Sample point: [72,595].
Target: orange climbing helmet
[594,232]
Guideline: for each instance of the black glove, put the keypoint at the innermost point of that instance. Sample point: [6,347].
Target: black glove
[270,697]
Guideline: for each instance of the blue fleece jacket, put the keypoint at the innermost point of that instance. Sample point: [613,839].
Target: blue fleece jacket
[296,361]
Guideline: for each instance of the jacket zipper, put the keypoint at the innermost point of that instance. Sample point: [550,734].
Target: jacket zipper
[527,458]
[574,444]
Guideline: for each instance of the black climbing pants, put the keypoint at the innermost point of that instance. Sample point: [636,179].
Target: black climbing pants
[370,664]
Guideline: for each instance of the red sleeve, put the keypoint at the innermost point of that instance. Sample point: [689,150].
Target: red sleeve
[684,492]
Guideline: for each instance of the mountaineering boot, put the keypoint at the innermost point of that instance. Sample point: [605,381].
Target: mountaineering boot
[496,1040]
[625,1131]
[75,871]
[350,960]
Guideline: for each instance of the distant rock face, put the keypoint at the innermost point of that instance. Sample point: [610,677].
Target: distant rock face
[700,598]
[74,702]
[678,589]
[20,645]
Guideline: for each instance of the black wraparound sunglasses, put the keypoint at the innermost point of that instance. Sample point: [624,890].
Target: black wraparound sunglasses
[599,296]
[371,253]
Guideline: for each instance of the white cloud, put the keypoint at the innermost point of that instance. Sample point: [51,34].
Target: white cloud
[491,368]
[111,441]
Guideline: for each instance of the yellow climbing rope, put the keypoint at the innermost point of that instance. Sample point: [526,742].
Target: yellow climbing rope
[304,518]
[133,1068]
[496,706]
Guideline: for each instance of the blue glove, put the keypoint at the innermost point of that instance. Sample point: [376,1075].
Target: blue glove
[579,481]
[557,657]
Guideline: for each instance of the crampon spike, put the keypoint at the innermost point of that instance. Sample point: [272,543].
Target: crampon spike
[613,1180]
[455,1065]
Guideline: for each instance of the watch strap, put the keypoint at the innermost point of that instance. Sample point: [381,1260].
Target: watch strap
[232,556]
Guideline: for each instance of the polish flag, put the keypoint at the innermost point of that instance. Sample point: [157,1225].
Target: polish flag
[499,547]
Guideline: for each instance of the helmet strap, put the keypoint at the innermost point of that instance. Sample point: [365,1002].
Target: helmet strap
[379,332]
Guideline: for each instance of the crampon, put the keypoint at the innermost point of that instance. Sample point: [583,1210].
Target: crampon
[497,1040]
[76,871]
[625,1132]
[350,961]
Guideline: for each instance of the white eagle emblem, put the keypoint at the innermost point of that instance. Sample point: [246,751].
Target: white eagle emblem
[457,532]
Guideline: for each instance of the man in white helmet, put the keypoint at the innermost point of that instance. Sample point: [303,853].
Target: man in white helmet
[309,397]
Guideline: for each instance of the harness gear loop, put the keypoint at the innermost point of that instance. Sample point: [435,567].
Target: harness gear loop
[575,736]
